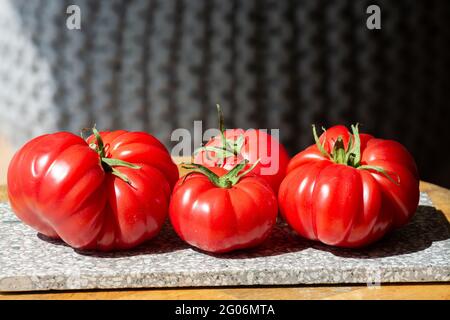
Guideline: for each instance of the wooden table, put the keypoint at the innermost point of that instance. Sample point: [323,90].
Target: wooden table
[440,197]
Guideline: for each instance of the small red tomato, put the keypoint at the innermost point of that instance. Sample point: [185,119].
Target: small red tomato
[348,190]
[109,192]
[258,147]
[219,211]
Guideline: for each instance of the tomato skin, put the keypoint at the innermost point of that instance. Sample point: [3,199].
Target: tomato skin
[342,206]
[258,145]
[220,220]
[57,185]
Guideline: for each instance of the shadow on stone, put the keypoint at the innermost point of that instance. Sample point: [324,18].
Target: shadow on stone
[166,241]
[427,226]
[282,240]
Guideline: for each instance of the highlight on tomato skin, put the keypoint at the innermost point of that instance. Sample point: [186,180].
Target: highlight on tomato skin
[349,189]
[108,192]
[219,211]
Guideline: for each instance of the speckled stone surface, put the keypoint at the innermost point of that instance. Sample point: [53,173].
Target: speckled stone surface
[418,252]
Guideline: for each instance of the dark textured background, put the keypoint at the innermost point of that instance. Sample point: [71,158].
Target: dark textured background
[158,65]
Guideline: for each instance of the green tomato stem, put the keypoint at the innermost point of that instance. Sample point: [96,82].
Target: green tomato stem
[222,133]
[351,156]
[119,163]
[229,147]
[339,154]
[120,175]
[226,181]
[355,149]
[100,146]
[109,164]
[381,171]
[320,146]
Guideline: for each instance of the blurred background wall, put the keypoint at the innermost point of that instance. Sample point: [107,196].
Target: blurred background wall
[161,64]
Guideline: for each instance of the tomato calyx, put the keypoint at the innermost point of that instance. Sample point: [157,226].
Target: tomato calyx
[109,164]
[226,181]
[350,156]
[229,148]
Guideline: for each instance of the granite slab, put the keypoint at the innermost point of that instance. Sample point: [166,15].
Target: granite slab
[420,251]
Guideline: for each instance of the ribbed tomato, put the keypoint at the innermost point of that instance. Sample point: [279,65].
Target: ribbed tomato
[256,146]
[220,211]
[109,192]
[348,190]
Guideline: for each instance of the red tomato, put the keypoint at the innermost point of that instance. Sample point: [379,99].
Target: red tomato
[346,194]
[264,153]
[257,144]
[218,219]
[113,197]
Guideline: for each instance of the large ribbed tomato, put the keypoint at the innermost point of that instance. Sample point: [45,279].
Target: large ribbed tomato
[348,189]
[220,211]
[109,192]
[270,153]
[256,146]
